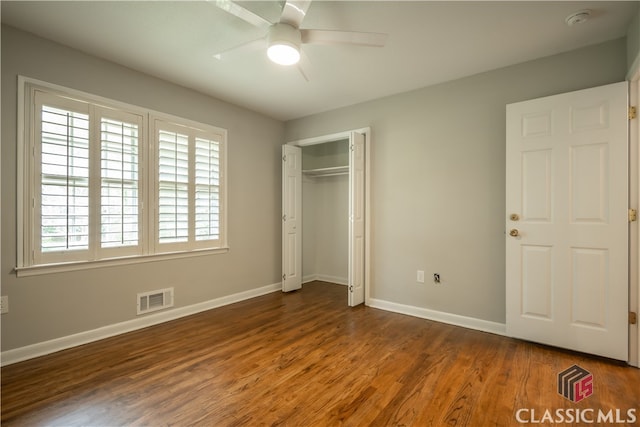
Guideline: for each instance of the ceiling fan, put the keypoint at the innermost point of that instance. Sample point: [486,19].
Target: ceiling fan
[284,38]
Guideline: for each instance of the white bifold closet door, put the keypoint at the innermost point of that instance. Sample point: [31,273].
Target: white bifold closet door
[356,218]
[291,218]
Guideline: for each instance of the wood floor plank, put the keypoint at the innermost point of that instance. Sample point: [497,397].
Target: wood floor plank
[303,359]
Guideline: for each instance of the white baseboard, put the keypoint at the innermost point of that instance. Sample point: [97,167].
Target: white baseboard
[47,347]
[440,316]
[326,278]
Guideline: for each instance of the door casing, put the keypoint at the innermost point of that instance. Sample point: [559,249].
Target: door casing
[634,202]
[367,191]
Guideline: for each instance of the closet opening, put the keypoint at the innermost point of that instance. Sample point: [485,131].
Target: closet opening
[325,212]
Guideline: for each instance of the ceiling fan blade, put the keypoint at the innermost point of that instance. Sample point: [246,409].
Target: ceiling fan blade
[343,37]
[304,65]
[303,72]
[294,12]
[250,45]
[242,13]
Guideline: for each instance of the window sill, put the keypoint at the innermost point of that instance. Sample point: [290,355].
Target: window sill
[38,270]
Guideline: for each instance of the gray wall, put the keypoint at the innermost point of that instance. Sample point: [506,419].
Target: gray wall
[55,305]
[633,40]
[437,176]
[325,225]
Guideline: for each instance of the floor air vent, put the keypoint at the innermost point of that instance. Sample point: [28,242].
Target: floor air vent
[155,300]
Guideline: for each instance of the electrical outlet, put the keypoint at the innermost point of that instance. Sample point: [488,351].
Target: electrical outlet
[436,278]
[4,304]
[420,276]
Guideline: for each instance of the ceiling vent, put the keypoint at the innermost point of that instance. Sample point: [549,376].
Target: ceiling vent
[155,300]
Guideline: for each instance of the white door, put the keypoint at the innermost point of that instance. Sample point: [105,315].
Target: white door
[291,218]
[356,218]
[567,221]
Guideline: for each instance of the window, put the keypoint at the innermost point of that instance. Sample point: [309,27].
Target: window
[188,178]
[88,168]
[119,183]
[173,187]
[63,146]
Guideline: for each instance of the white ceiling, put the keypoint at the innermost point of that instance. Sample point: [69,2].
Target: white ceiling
[429,42]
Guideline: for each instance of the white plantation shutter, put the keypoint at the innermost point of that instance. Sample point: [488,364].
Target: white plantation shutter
[189,187]
[120,181]
[86,160]
[64,213]
[61,179]
[88,167]
[173,187]
[207,189]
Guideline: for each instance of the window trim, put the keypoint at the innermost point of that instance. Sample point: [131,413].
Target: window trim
[63,267]
[26,183]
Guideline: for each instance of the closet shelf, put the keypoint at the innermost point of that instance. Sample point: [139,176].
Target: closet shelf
[336,170]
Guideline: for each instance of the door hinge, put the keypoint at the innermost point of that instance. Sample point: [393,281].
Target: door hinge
[632,112]
[350,288]
[633,215]
[284,277]
[633,318]
[284,158]
[284,217]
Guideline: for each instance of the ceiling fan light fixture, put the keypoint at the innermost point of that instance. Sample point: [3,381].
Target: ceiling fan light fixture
[283,53]
[284,44]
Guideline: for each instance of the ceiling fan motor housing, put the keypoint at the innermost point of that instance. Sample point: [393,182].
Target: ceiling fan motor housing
[282,33]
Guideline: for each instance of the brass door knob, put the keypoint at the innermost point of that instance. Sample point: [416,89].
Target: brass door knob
[514,232]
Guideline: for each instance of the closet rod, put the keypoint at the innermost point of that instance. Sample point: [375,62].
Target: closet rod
[332,171]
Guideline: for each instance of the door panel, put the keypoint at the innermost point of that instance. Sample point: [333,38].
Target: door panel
[567,182]
[537,281]
[589,190]
[537,182]
[291,218]
[589,287]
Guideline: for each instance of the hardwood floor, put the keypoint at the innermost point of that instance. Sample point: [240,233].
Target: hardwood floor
[306,359]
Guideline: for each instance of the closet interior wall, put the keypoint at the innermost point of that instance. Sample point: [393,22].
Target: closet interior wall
[325,212]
